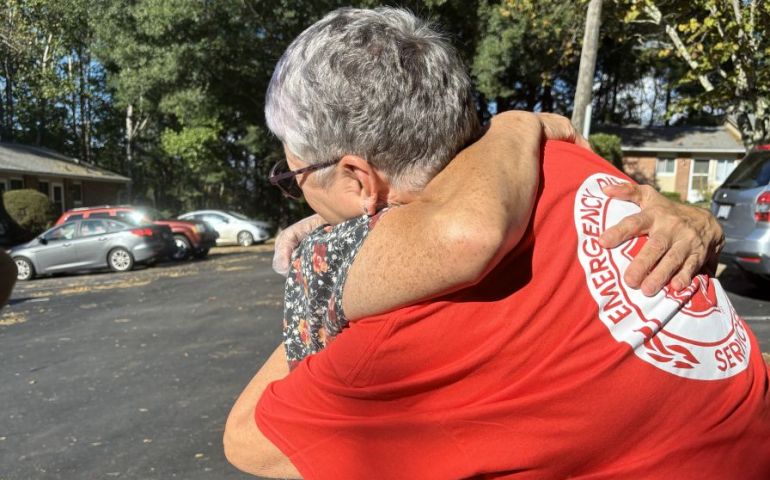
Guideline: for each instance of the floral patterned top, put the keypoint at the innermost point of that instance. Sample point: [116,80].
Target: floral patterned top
[312,311]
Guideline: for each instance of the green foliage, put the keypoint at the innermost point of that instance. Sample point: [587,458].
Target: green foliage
[725,52]
[190,78]
[607,146]
[30,209]
[672,196]
[524,49]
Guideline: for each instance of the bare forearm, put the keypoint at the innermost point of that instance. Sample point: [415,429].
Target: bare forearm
[472,213]
[245,446]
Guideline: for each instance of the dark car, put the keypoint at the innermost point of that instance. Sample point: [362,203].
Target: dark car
[90,244]
[742,206]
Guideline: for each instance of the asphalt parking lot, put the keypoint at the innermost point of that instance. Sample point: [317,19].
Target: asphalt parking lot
[132,375]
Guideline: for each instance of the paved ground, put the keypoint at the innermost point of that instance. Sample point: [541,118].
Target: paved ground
[132,375]
[752,302]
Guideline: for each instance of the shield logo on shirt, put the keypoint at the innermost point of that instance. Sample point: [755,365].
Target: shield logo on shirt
[694,333]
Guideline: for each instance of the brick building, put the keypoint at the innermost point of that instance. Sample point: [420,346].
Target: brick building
[67,182]
[691,161]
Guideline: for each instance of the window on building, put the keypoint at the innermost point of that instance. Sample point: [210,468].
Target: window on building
[16,184]
[57,197]
[665,166]
[76,191]
[44,188]
[723,170]
[700,178]
[3,186]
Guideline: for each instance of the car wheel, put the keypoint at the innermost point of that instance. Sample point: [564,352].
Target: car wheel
[202,254]
[120,260]
[245,239]
[182,248]
[24,269]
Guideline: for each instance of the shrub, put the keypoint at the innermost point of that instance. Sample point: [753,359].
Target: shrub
[608,147]
[30,209]
[672,196]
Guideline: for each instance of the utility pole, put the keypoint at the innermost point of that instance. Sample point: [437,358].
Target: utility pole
[583,91]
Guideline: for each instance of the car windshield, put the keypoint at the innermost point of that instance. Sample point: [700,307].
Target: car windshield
[753,171]
[239,216]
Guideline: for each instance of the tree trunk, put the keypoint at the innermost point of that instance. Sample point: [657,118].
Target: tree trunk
[73,100]
[9,113]
[587,64]
[42,110]
[85,106]
[82,105]
[129,148]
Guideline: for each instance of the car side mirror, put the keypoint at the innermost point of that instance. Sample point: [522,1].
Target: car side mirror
[42,240]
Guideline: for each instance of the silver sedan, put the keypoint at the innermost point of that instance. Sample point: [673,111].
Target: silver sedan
[232,227]
[90,244]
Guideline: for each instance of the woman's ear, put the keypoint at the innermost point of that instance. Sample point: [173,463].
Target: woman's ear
[372,186]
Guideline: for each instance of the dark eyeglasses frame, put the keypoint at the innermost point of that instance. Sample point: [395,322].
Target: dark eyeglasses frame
[279,179]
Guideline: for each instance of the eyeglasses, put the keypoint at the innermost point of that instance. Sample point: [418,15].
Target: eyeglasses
[283,177]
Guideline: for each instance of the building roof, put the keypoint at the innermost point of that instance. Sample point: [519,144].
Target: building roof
[27,160]
[680,139]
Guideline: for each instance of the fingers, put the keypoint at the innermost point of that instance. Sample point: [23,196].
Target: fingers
[625,191]
[670,269]
[285,243]
[647,269]
[681,238]
[556,127]
[630,227]
[687,273]
[580,141]
[289,239]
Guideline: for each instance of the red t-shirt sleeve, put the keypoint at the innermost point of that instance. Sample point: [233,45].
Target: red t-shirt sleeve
[331,424]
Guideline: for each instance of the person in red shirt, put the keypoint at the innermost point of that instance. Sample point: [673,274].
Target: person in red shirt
[454,387]
[525,376]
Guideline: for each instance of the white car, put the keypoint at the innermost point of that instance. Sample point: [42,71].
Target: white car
[233,227]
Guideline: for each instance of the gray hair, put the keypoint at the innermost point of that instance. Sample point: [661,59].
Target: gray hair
[381,84]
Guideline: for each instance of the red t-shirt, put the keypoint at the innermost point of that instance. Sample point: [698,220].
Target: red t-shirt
[549,368]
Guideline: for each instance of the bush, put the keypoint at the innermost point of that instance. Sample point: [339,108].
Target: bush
[30,209]
[608,147]
[672,196]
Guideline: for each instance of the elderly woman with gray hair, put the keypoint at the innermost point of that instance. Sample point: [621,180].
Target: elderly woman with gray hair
[371,106]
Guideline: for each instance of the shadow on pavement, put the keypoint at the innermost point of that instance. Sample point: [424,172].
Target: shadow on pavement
[734,281]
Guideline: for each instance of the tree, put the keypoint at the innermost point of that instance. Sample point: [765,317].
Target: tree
[724,45]
[527,54]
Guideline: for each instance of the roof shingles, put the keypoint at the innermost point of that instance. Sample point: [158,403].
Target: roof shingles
[25,159]
[680,138]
